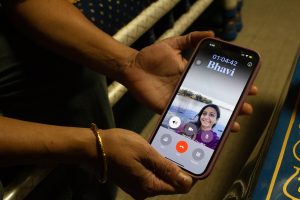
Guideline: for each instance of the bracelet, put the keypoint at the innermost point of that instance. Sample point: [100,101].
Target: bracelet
[102,177]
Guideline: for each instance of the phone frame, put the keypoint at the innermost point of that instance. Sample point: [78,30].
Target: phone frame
[233,116]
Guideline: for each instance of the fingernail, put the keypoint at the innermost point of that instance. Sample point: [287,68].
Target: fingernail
[211,31]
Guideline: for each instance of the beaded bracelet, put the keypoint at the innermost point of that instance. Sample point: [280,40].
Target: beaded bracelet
[102,177]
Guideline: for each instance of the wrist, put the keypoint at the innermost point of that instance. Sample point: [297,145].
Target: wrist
[84,147]
[130,69]
[110,57]
[124,64]
[101,173]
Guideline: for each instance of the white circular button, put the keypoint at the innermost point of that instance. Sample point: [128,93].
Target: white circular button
[174,122]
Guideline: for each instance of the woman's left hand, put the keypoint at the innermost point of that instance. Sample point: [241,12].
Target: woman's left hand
[156,69]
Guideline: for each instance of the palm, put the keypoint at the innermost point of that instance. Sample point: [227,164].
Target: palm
[156,69]
[159,69]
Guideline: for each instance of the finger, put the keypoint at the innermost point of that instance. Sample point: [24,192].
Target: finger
[153,186]
[247,109]
[236,127]
[169,174]
[253,90]
[190,40]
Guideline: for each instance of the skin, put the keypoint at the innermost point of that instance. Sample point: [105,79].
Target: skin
[133,164]
[208,118]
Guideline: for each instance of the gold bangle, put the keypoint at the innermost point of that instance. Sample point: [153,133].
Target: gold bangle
[102,177]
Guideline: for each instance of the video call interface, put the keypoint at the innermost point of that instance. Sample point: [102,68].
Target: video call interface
[193,126]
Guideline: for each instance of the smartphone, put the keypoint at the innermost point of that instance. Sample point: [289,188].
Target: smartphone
[198,118]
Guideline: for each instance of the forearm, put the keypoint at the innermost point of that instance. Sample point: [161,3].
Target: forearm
[61,27]
[32,143]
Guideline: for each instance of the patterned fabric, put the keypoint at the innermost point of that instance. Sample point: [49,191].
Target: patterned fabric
[111,15]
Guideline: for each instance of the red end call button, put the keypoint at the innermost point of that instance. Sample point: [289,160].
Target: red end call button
[181,146]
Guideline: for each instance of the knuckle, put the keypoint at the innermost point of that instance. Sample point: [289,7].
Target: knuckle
[149,188]
[170,169]
[152,187]
[148,150]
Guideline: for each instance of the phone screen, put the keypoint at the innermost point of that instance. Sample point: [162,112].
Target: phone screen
[204,104]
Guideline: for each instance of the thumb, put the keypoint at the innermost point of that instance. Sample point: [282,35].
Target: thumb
[191,40]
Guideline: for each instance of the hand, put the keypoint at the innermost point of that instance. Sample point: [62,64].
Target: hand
[138,169]
[156,69]
[245,110]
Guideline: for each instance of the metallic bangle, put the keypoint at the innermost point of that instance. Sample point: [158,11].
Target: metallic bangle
[102,175]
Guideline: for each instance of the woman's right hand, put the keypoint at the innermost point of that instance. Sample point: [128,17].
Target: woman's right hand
[138,169]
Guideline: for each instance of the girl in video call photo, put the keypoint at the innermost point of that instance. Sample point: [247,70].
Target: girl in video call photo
[207,119]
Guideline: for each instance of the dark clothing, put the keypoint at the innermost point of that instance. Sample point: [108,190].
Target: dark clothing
[1,191]
[214,140]
[208,138]
[37,85]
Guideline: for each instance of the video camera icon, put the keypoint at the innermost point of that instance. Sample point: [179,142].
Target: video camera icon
[190,129]
[174,122]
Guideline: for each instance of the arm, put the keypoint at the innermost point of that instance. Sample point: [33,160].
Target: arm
[132,163]
[32,143]
[60,26]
